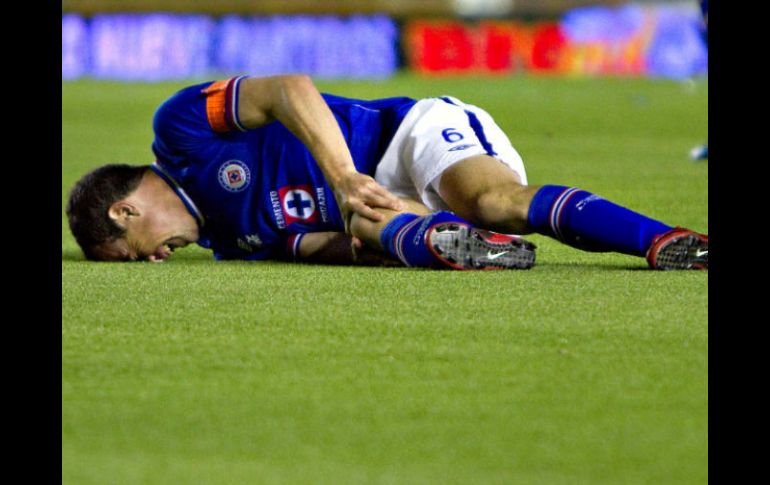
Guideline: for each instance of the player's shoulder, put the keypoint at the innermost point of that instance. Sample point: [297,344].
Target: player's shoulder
[183,113]
[183,99]
[180,124]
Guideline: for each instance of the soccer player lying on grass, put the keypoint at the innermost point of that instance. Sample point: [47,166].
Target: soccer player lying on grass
[268,168]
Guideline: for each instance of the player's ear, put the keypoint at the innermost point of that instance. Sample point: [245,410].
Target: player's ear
[122,211]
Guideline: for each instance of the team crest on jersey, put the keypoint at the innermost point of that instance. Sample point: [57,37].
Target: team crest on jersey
[298,204]
[234,175]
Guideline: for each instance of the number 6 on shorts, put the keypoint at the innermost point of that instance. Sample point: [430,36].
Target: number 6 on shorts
[452,136]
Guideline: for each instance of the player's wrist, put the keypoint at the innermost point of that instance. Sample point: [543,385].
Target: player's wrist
[340,176]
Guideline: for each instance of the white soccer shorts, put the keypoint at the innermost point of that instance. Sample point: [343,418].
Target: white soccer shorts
[435,134]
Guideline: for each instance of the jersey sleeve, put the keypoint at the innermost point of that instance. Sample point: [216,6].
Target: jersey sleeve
[222,105]
[186,124]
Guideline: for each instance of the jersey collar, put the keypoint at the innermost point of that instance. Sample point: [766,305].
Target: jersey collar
[188,202]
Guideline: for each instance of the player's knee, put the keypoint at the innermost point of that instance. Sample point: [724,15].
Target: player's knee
[502,209]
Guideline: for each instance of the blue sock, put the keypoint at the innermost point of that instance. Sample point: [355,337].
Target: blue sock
[586,221]
[403,237]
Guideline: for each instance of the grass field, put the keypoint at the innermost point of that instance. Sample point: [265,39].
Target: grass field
[587,369]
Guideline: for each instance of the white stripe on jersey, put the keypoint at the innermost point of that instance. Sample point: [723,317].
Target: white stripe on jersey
[180,191]
[234,106]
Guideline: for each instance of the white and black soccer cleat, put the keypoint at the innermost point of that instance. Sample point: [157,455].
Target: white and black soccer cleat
[679,248]
[463,247]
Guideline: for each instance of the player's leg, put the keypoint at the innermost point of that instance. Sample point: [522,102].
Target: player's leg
[436,133]
[489,194]
[441,239]
[370,231]
[454,156]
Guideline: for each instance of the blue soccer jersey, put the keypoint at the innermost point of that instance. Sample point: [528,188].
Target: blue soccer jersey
[251,191]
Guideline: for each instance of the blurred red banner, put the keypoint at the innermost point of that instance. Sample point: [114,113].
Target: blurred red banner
[497,47]
[452,46]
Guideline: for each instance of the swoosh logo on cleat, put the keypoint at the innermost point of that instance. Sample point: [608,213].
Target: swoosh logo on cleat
[495,256]
[701,252]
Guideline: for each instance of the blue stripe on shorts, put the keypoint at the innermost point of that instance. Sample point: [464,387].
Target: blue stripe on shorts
[478,130]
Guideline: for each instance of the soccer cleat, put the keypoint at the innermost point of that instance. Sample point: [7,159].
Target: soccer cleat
[679,248]
[460,246]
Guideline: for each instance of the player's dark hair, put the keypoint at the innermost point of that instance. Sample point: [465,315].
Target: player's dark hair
[90,200]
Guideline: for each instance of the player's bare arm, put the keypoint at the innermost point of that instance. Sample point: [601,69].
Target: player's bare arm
[296,103]
[340,248]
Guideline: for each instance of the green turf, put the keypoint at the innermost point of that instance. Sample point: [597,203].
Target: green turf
[586,369]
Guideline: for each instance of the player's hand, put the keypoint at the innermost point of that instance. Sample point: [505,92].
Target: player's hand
[358,193]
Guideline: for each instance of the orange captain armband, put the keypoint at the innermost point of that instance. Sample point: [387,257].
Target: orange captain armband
[222,105]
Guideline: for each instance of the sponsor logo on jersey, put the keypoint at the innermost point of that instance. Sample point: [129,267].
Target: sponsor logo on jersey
[249,242]
[234,175]
[244,245]
[254,240]
[275,203]
[297,204]
[461,147]
[320,195]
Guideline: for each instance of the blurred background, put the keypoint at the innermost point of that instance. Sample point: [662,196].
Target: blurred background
[158,40]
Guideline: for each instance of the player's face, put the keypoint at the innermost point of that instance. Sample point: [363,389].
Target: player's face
[151,237]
